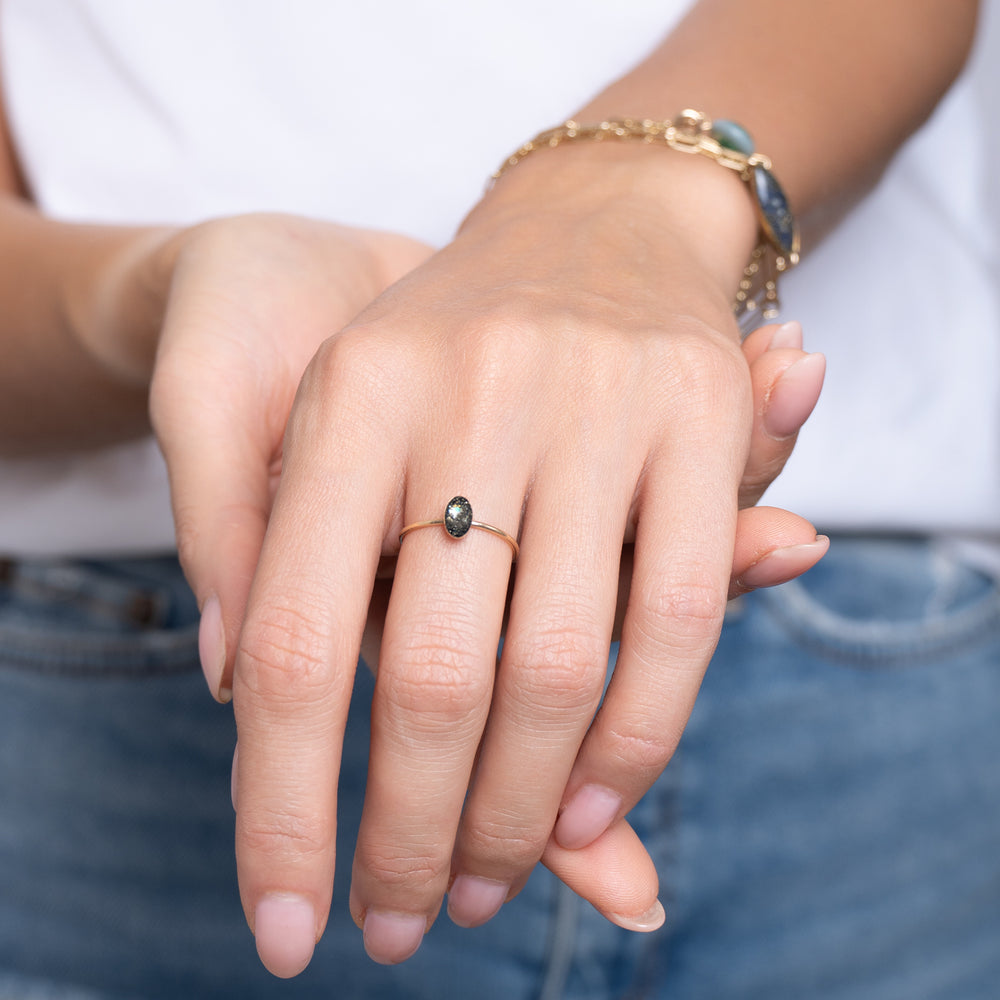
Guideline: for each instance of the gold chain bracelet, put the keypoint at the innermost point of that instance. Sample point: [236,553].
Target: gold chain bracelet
[729,145]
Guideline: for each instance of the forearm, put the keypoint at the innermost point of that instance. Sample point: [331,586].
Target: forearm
[87,310]
[77,338]
[829,92]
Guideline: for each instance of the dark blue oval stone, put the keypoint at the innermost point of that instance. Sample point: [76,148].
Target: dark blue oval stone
[458,517]
[779,224]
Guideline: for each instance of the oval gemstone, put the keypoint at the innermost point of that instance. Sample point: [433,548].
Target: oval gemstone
[458,517]
[775,214]
[732,136]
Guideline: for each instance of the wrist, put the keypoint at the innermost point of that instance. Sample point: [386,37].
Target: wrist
[114,302]
[653,193]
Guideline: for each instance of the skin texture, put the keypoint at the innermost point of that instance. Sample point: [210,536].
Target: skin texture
[589,405]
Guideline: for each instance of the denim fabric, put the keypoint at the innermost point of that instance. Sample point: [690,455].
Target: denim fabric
[829,830]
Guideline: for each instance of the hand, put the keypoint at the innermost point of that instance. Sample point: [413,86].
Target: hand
[772,546]
[614,872]
[248,302]
[572,387]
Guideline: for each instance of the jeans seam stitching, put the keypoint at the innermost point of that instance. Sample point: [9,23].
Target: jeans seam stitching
[820,630]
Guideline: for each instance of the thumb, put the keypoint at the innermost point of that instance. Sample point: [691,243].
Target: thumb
[786,386]
[615,874]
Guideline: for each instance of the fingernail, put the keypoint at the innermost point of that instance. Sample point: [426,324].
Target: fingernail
[285,928]
[784,564]
[392,937]
[212,648]
[794,396]
[648,921]
[473,900]
[787,335]
[589,813]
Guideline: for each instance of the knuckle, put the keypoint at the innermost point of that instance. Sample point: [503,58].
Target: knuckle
[284,654]
[705,368]
[503,845]
[559,668]
[284,838]
[360,367]
[354,351]
[397,869]
[589,363]
[607,365]
[679,612]
[708,354]
[499,353]
[640,748]
[436,680]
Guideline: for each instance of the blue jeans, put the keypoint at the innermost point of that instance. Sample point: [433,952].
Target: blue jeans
[829,830]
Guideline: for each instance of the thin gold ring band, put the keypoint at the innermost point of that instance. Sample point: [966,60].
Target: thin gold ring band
[458,521]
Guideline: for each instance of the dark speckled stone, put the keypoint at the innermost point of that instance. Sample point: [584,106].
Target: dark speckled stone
[458,516]
[775,213]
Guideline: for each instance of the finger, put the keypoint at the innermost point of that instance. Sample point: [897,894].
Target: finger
[298,651]
[771,337]
[772,547]
[614,874]
[683,563]
[213,433]
[551,674]
[760,533]
[432,696]
[786,386]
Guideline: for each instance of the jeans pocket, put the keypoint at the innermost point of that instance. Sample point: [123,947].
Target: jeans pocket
[85,617]
[888,602]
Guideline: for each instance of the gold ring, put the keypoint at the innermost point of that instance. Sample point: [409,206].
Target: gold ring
[458,520]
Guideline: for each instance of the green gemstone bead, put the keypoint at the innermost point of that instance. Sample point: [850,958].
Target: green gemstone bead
[729,135]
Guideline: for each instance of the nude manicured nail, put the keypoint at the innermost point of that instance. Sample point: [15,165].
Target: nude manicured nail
[652,919]
[784,564]
[787,335]
[392,937]
[472,900]
[589,813]
[794,396]
[285,929]
[212,648]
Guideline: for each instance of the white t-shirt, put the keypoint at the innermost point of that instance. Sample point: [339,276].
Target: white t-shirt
[391,115]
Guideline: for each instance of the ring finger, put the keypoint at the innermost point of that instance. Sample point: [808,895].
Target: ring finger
[431,701]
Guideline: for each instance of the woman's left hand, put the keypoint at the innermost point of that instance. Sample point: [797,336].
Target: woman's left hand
[571,364]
